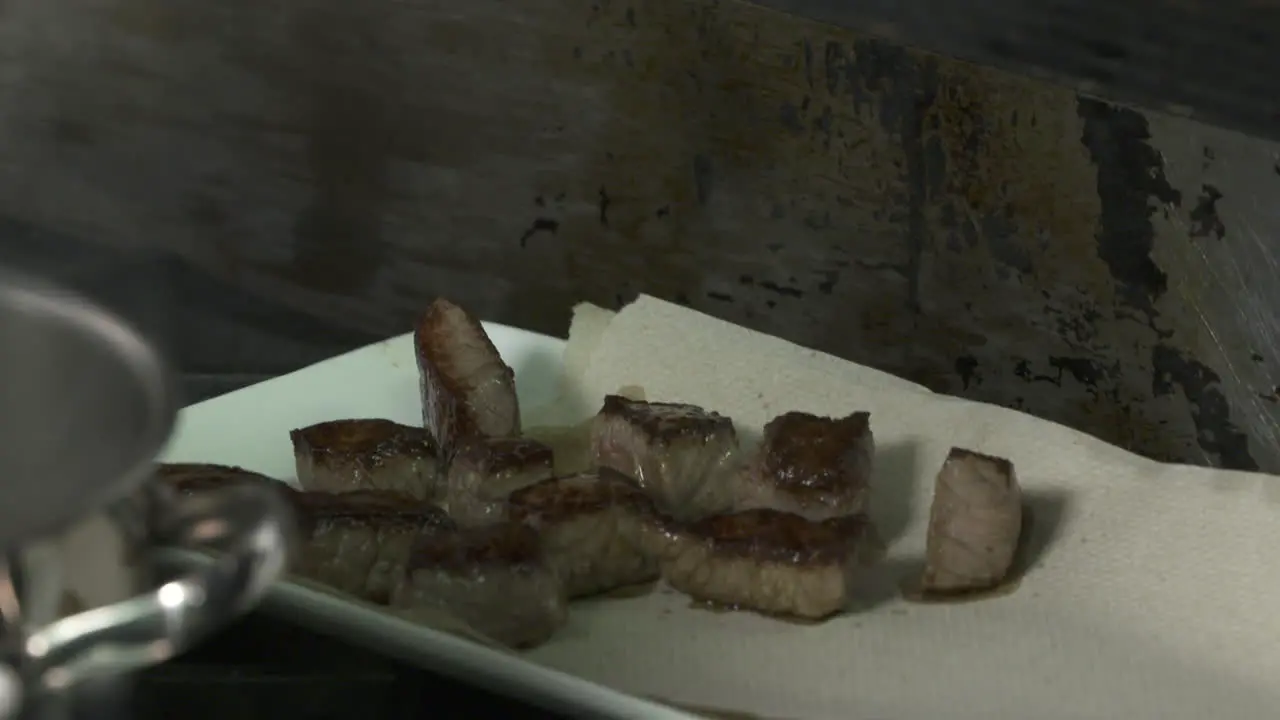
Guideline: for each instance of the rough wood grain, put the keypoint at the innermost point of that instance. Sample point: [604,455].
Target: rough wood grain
[985,234]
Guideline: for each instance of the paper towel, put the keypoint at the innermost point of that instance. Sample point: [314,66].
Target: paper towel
[1150,594]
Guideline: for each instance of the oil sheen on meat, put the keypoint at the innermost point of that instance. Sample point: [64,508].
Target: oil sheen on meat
[467,390]
[812,466]
[595,529]
[974,524]
[682,456]
[485,471]
[355,542]
[771,561]
[367,454]
[493,577]
[199,477]
[359,542]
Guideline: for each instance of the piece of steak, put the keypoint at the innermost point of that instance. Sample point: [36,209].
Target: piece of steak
[485,471]
[467,389]
[812,466]
[367,454]
[596,529]
[359,542]
[494,578]
[770,561]
[682,456]
[355,542]
[148,514]
[200,477]
[974,524]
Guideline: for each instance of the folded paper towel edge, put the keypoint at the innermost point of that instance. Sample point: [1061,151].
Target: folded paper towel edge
[591,325]
[888,379]
[586,330]
[588,325]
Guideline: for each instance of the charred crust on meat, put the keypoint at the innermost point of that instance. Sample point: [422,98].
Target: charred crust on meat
[202,477]
[1002,465]
[197,479]
[372,504]
[376,508]
[681,455]
[662,421]
[446,413]
[766,534]
[496,455]
[806,453]
[372,441]
[571,496]
[471,551]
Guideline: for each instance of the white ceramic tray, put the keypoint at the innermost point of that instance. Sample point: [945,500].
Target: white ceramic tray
[1152,596]
[250,427]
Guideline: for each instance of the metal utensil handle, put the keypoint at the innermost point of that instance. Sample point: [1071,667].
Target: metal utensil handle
[249,529]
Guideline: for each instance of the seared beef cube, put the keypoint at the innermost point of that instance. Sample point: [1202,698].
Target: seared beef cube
[186,478]
[770,561]
[467,390]
[197,479]
[344,455]
[974,524]
[359,542]
[493,577]
[484,471]
[595,529]
[681,455]
[812,466]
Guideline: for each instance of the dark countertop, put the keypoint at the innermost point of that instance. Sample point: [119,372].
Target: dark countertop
[263,667]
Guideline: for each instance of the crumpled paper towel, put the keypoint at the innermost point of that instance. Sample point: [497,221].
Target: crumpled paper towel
[1151,593]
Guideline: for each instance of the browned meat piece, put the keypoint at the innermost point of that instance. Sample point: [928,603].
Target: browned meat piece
[595,528]
[812,466]
[359,542]
[467,389]
[974,524]
[343,455]
[770,561]
[484,471]
[356,542]
[493,578]
[681,455]
[199,477]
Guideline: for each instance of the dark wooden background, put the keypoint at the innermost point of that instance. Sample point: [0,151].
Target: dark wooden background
[300,177]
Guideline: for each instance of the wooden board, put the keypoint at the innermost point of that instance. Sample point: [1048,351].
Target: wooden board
[345,161]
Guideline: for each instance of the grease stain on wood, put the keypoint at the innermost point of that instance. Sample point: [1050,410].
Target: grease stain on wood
[890,206]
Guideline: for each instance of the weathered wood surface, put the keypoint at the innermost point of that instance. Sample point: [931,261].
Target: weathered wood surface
[985,234]
[1195,58]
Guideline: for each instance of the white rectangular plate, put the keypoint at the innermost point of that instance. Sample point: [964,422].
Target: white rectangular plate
[250,428]
[1154,600]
